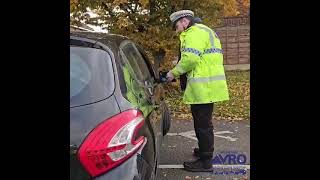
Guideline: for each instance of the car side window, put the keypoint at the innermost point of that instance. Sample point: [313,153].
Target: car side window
[152,70]
[137,64]
[137,78]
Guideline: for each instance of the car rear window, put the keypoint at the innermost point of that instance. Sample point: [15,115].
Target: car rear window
[91,75]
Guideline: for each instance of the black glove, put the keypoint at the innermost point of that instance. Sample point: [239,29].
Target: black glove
[163,77]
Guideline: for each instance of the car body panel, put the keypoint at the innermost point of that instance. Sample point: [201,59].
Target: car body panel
[143,164]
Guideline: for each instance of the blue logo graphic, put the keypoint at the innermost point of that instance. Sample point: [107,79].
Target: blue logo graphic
[229,158]
[232,172]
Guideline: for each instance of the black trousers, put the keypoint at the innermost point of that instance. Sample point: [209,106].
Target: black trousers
[202,119]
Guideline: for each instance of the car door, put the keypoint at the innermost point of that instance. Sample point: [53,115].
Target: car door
[147,92]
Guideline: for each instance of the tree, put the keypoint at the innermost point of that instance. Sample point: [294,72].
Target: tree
[243,6]
[147,21]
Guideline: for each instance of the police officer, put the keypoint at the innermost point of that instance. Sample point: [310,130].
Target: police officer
[202,61]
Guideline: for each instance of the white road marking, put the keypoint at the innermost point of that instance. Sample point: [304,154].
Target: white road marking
[191,135]
[227,137]
[172,134]
[223,132]
[180,166]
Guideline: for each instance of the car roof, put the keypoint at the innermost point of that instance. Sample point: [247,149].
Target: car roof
[108,39]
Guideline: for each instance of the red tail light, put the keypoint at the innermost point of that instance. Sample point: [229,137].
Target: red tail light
[112,142]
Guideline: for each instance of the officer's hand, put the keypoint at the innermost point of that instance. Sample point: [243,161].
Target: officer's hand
[170,76]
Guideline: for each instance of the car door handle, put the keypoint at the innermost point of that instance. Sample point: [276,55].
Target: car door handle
[155,106]
[149,86]
[150,89]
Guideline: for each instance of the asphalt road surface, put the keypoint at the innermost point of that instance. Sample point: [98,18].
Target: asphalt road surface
[231,139]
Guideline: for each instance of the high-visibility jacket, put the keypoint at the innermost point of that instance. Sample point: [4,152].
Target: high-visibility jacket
[202,60]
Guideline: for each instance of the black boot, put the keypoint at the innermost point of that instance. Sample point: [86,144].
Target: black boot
[199,166]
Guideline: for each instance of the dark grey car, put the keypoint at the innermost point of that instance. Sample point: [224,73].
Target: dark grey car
[118,116]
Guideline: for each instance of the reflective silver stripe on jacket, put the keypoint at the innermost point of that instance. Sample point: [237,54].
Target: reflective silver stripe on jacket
[211,50]
[210,34]
[206,79]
